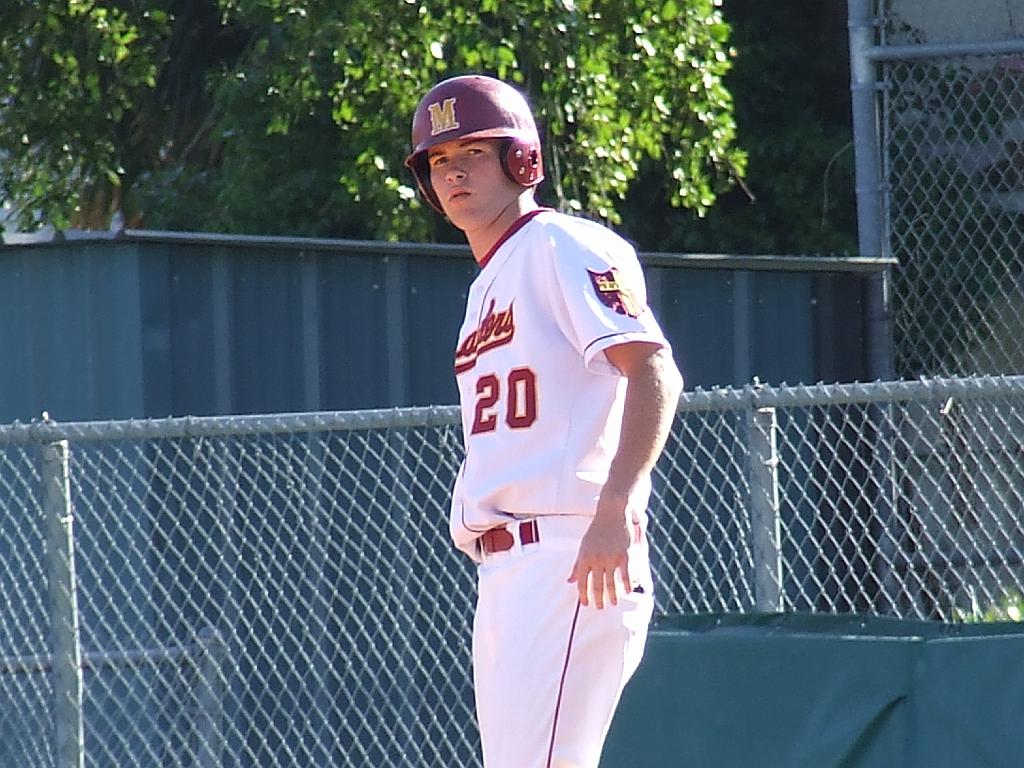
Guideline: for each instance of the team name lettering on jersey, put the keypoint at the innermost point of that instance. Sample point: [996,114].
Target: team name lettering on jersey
[613,294]
[496,328]
[442,116]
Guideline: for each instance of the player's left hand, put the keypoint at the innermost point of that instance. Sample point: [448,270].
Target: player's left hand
[603,553]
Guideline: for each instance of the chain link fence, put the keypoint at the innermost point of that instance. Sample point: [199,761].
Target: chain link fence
[951,77]
[280,591]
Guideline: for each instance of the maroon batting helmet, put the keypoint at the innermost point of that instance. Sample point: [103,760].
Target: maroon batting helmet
[476,107]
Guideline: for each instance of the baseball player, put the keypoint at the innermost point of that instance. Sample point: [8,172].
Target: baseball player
[568,390]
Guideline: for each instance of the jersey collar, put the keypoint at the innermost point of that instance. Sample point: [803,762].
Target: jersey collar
[514,227]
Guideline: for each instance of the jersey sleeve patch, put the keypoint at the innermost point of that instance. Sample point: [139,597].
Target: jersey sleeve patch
[613,294]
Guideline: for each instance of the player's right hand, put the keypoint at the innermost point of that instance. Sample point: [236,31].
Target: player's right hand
[603,555]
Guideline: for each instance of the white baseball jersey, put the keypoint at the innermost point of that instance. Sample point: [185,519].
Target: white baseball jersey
[541,404]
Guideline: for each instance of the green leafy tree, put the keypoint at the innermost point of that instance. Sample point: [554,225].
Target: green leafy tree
[73,70]
[292,116]
[96,94]
[791,86]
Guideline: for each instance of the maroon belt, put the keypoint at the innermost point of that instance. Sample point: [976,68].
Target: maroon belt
[495,540]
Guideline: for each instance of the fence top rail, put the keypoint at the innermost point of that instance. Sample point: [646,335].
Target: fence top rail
[48,431]
[752,396]
[804,395]
[944,50]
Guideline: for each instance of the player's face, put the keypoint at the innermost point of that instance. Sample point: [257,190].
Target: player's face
[473,189]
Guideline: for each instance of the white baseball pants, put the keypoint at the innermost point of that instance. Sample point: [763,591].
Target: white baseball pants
[548,672]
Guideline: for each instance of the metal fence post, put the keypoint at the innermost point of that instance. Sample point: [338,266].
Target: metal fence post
[765,525]
[210,699]
[67,650]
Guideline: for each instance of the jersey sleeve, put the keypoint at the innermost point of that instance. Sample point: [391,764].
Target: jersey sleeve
[599,295]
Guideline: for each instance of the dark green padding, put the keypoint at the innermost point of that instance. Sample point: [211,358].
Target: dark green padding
[796,691]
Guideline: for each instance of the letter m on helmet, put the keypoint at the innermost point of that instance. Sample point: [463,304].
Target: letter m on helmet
[442,116]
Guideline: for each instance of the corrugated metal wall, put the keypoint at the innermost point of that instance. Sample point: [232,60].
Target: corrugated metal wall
[150,324]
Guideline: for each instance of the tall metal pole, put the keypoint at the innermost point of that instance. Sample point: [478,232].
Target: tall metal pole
[874,241]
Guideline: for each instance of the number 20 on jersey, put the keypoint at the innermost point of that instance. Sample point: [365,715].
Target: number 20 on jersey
[515,399]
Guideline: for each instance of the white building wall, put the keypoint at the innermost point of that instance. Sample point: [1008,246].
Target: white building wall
[944,21]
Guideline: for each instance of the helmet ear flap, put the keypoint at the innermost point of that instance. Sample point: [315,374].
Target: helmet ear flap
[522,162]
